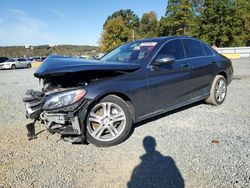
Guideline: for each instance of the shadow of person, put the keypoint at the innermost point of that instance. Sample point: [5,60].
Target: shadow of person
[155,170]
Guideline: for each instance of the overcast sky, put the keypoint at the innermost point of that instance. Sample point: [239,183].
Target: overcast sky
[36,22]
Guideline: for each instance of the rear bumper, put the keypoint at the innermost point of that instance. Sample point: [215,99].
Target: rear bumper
[230,75]
[229,79]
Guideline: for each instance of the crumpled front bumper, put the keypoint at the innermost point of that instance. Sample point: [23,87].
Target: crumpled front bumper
[63,121]
[33,102]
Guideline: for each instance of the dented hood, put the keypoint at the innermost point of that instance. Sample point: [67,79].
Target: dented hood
[56,65]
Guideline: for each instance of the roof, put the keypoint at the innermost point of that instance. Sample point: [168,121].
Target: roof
[162,39]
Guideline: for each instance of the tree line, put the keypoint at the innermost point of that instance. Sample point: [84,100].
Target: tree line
[45,50]
[223,23]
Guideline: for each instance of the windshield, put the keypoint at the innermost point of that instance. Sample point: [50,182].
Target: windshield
[135,51]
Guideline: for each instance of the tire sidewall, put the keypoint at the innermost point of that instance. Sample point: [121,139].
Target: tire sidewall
[128,126]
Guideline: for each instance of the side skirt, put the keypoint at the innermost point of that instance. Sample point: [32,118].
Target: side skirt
[196,99]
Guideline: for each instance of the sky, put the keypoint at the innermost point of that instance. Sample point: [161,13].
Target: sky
[78,22]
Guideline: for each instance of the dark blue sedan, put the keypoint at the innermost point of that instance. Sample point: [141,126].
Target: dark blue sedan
[99,100]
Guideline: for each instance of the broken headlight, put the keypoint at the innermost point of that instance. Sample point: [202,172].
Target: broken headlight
[60,100]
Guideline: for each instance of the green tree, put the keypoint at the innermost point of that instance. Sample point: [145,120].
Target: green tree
[148,25]
[179,18]
[221,23]
[245,8]
[114,34]
[198,6]
[131,20]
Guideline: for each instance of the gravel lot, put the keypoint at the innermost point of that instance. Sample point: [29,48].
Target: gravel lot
[199,145]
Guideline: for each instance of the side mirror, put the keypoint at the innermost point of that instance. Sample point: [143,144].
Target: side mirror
[163,59]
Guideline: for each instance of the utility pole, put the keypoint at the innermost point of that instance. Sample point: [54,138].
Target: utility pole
[133,35]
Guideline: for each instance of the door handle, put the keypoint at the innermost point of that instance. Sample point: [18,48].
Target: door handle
[185,65]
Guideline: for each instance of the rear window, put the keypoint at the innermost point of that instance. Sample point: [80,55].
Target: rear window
[207,50]
[193,48]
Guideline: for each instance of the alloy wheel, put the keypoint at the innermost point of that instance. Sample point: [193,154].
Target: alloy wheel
[106,121]
[220,90]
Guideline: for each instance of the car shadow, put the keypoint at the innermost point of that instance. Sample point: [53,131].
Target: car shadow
[155,170]
[167,114]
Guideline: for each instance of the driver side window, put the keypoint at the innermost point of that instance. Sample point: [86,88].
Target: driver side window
[173,48]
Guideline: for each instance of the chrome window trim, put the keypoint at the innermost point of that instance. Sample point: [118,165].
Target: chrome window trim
[190,58]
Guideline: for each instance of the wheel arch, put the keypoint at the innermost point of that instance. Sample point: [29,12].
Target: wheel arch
[223,73]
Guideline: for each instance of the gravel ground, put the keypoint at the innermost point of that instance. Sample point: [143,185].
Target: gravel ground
[199,145]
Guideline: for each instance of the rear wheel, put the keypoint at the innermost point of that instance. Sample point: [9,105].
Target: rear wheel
[13,67]
[218,91]
[108,122]
[29,66]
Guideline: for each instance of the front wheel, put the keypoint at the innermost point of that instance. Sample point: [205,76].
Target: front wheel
[218,91]
[13,67]
[29,66]
[108,122]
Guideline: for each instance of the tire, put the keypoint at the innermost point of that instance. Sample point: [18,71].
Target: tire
[218,91]
[108,122]
[13,67]
[29,66]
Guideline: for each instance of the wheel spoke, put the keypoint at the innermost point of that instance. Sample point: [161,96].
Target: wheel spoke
[118,117]
[108,109]
[217,95]
[98,131]
[224,89]
[220,83]
[220,97]
[112,129]
[95,118]
[217,85]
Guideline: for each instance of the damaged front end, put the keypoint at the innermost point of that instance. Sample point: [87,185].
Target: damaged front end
[62,105]
[59,110]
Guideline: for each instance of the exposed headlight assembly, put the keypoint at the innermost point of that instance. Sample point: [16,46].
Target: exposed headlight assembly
[63,99]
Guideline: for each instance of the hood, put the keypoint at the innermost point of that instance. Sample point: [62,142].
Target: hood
[56,65]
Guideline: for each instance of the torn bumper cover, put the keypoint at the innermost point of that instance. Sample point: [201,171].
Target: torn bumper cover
[64,121]
[64,124]
[33,101]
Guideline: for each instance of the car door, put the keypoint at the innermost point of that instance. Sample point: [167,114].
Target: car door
[19,63]
[169,85]
[23,63]
[204,65]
